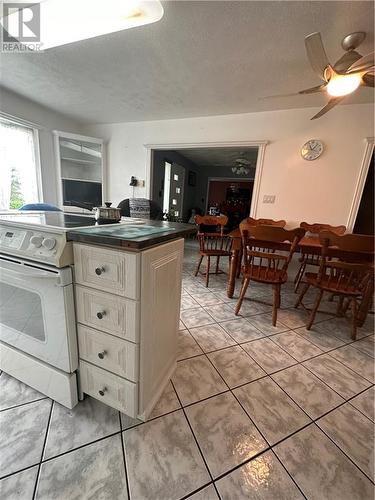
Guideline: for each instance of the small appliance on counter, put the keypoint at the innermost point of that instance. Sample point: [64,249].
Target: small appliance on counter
[104,215]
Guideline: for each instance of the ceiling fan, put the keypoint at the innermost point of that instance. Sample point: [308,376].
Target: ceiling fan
[347,74]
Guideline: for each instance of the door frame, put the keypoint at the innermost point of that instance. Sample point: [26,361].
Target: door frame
[261,145]
[226,179]
[360,184]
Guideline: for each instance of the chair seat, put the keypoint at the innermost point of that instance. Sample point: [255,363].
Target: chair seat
[332,284]
[264,274]
[215,253]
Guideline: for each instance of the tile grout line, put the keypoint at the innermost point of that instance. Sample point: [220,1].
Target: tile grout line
[123,457]
[23,404]
[196,440]
[43,449]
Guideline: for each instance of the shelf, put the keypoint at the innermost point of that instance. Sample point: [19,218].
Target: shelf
[80,180]
[82,162]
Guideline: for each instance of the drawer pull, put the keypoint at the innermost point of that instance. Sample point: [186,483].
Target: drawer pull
[99,270]
[102,391]
[101,314]
[102,354]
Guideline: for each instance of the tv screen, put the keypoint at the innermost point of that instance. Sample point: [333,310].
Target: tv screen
[82,191]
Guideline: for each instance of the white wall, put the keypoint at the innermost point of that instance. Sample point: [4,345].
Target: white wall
[49,120]
[317,191]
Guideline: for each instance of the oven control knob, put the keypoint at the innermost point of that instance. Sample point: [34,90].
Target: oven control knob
[36,241]
[49,243]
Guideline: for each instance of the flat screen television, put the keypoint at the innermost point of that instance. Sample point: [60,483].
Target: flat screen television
[82,191]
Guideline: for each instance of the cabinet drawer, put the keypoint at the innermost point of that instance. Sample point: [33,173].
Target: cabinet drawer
[108,352]
[111,389]
[107,312]
[105,269]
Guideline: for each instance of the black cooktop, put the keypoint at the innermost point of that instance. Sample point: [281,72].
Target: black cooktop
[51,219]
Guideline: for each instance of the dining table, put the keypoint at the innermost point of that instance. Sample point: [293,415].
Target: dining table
[310,244]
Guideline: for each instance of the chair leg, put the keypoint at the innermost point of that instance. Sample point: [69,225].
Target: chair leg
[302,294]
[339,306]
[354,318]
[239,264]
[244,287]
[217,265]
[208,270]
[299,276]
[314,310]
[199,265]
[276,303]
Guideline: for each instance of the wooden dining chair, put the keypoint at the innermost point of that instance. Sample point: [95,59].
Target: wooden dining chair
[349,278]
[309,259]
[212,241]
[265,222]
[262,264]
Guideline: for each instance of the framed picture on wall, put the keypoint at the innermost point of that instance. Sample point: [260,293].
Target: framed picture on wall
[192,178]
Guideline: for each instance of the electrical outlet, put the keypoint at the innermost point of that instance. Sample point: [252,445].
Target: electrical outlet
[141,183]
[269,198]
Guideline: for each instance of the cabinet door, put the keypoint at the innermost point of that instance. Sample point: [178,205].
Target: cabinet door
[108,270]
[111,353]
[111,389]
[104,311]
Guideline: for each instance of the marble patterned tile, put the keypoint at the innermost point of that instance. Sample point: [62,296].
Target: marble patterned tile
[340,378]
[320,468]
[271,409]
[263,478]
[128,422]
[19,486]
[322,340]
[212,337]
[181,326]
[354,435]
[163,460]
[365,345]
[187,302]
[196,379]
[269,355]
[296,318]
[241,330]
[22,433]
[207,299]
[365,402]
[252,308]
[221,312]
[339,327]
[225,434]
[94,471]
[223,296]
[168,402]
[187,346]
[235,366]
[358,361]
[89,420]
[307,390]
[196,317]
[207,493]
[263,322]
[297,346]
[13,392]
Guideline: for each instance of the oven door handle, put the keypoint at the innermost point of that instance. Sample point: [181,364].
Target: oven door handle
[23,271]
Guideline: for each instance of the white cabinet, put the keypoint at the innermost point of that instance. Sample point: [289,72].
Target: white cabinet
[127,323]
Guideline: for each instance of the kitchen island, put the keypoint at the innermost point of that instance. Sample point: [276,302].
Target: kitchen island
[128,292]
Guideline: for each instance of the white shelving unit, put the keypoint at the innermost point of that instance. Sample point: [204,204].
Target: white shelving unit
[80,167]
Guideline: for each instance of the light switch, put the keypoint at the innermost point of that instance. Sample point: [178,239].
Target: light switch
[269,198]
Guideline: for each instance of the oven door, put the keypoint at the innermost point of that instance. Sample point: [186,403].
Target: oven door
[37,311]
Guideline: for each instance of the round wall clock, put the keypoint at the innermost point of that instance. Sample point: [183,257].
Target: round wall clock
[312,149]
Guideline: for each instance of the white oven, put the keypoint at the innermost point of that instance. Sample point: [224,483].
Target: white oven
[37,311]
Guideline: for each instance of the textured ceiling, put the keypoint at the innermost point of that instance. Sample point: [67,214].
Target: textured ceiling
[219,157]
[202,58]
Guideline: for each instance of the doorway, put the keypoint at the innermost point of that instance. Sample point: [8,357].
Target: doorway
[364,223]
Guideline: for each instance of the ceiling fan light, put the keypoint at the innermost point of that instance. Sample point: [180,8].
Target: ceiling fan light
[340,85]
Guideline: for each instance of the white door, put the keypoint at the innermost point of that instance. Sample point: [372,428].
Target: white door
[176,190]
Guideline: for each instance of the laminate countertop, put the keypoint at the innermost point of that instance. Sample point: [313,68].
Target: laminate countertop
[132,236]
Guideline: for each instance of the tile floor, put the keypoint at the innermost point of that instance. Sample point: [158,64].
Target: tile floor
[252,411]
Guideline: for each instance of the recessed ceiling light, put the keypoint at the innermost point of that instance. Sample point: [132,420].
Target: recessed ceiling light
[67,21]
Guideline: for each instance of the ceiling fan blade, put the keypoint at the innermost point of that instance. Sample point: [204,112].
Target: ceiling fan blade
[313,90]
[345,61]
[331,103]
[316,54]
[363,64]
[368,80]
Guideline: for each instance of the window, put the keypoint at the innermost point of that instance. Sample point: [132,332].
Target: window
[19,165]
